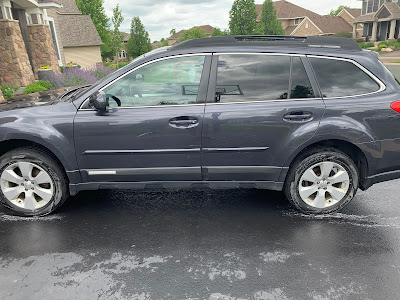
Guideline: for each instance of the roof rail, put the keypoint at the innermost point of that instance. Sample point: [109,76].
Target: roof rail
[272,40]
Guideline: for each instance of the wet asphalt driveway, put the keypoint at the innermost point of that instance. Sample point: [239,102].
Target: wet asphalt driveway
[243,244]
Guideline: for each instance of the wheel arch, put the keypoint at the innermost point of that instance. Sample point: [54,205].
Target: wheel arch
[353,151]
[8,145]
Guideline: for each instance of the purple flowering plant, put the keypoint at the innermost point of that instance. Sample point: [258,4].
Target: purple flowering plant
[78,76]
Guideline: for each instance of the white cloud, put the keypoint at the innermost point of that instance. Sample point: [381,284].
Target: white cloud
[159,17]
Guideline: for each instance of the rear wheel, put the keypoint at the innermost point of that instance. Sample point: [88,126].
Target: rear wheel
[32,183]
[321,181]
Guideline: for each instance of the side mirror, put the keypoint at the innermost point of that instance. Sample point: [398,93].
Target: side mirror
[99,101]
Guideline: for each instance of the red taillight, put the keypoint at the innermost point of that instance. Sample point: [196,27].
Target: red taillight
[396,106]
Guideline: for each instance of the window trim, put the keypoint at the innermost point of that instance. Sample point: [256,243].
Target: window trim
[382,86]
[214,72]
[148,63]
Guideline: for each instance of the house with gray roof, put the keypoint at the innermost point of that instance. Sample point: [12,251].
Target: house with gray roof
[380,20]
[34,33]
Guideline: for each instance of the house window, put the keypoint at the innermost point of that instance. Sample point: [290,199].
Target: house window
[53,37]
[122,54]
[296,21]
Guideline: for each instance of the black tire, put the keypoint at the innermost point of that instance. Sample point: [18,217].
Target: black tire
[309,159]
[50,165]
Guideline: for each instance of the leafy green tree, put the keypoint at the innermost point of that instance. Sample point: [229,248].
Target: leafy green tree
[243,17]
[269,23]
[219,32]
[117,37]
[192,33]
[164,42]
[172,32]
[95,9]
[335,12]
[139,42]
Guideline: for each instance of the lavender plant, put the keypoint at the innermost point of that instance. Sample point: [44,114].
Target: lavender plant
[78,76]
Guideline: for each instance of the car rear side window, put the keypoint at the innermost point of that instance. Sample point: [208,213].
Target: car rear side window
[338,78]
[300,86]
[244,77]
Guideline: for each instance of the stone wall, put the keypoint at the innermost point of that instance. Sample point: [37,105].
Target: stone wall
[307,29]
[42,48]
[15,68]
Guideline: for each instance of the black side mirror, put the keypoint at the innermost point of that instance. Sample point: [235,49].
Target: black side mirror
[99,101]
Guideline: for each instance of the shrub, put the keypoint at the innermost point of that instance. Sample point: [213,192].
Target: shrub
[380,47]
[8,91]
[77,76]
[114,65]
[347,35]
[363,45]
[382,43]
[370,44]
[38,86]
[392,43]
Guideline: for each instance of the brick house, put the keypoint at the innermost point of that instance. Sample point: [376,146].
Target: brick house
[34,33]
[297,20]
[380,20]
[173,39]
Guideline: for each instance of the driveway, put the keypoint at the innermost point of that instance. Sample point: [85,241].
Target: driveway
[239,244]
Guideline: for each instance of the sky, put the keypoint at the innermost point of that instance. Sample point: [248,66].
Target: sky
[159,17]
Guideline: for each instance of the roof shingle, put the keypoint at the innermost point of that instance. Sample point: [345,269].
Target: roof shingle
[331,24]
[287,10]
[78,31]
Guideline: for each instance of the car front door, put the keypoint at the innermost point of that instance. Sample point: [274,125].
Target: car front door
[258,107]
[151,130]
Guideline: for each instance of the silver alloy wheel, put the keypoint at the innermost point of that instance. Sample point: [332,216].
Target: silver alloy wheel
[27,185]
[324,184]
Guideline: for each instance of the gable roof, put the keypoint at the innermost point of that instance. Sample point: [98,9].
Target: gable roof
[392,9]
[287,10]
[69,7]
[354,12]
[78,31]
[207,29]
[127,36]
[331,24]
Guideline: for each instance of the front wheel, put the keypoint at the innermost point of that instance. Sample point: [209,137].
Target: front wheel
[322,181]
[32,182]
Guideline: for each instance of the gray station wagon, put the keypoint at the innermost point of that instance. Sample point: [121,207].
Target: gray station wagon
[316,117]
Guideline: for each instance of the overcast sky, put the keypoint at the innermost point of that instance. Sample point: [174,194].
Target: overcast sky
[159,17]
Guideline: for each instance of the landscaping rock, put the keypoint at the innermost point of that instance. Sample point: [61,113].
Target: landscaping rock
[1,96]
[387,50]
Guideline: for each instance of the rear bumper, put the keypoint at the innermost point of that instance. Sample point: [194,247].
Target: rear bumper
[370,181]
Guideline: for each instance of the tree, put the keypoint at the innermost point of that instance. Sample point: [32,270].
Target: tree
[96,11]
[192,33]
[117,36]
[338,10]
[219,32]
[164,42]
[243,17]
[172,32]
[139,42]
[269,23]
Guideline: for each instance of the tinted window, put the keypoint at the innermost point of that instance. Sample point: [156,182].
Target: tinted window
[168,82]
[339,78]
[252,77]
[300,85]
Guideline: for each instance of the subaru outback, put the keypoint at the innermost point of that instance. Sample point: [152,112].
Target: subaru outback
[315,117]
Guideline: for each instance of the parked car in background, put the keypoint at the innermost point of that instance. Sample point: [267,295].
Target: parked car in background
[316,117]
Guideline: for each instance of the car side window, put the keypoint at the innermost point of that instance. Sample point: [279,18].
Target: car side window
[172,81]
[338,78]
[300,86]
[244,77]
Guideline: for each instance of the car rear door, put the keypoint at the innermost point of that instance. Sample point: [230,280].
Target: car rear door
[155,133]
[259,108]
